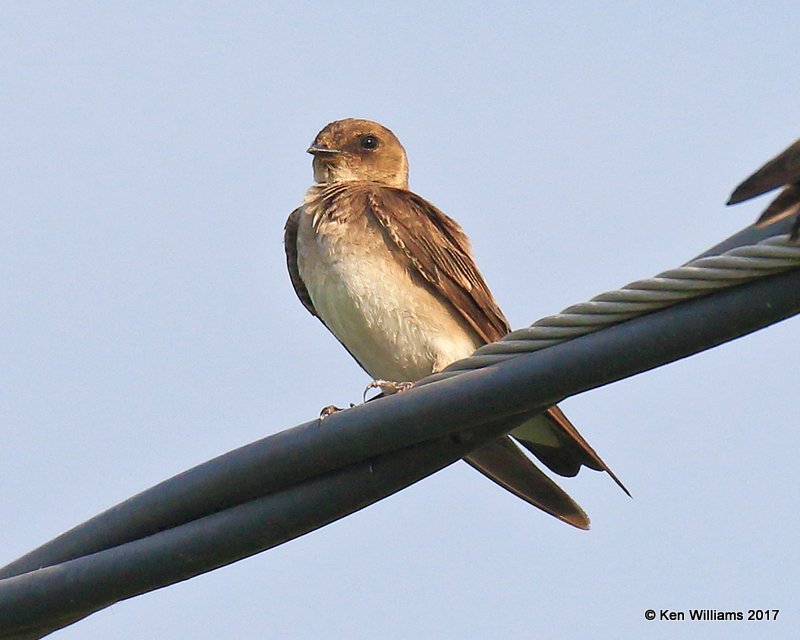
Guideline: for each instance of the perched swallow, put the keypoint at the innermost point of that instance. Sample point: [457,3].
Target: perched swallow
[782,171]
[393,278]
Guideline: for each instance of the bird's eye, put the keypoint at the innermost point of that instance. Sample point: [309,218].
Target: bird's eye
[369,142]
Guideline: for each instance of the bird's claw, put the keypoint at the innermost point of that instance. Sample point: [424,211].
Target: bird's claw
[330,410]
[387,387]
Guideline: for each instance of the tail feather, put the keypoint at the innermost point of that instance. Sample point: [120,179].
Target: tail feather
[504,463]
[554,440]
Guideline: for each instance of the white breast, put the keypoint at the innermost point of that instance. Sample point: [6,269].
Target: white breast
[394,326]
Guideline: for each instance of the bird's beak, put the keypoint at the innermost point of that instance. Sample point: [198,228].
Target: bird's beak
[319,150]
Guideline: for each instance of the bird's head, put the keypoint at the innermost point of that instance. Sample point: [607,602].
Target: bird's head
[359,150]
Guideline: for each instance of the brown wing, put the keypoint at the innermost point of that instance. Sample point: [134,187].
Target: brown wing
[439,250]
[290,246]
[786,204]
[782,170]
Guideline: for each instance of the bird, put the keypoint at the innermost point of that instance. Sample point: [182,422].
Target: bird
[394,280]
[782,171]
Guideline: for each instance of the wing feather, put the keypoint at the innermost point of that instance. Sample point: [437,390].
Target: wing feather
[782,170]
[439,250]
[290,246]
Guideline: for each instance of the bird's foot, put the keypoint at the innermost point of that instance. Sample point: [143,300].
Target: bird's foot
[387,387]
[330,410]
[794,234]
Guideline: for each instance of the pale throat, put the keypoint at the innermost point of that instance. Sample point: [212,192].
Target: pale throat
[329,172]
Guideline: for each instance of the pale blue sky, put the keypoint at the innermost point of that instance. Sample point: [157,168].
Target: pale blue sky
[150,155]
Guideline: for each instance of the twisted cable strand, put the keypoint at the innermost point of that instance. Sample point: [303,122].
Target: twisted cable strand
[694,279]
